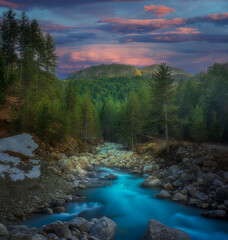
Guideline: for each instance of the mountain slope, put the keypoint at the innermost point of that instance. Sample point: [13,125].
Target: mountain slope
[177,73]
[105,70]
[121,70]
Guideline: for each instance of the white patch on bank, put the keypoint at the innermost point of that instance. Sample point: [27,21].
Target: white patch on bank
[6,158]
[22,144]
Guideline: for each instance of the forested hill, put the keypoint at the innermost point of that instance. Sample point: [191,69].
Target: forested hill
[105,70]
[177,73]
[121,70]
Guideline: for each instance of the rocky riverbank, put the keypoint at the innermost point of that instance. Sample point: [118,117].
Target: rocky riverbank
[194,175]
[78,228]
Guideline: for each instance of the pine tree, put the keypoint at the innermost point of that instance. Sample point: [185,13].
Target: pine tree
[50,56]
[23,40]
[162,92]
[3,82]
[9,31]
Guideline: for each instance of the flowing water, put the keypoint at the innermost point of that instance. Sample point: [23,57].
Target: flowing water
[131,207]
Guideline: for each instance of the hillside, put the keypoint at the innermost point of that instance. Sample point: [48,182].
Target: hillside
[177,73]
[121,70]
[105,70]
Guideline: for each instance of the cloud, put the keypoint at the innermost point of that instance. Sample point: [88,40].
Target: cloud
[122,25]
[176,38]
[58,3]
[8,4]
[73,38]
[159,10]
[49,26]
[126,26]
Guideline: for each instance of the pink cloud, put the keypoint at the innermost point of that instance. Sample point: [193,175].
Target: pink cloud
[159,10]
[181,30]
[122,24]
[112,53]
[49,26]
[218,16]
[9,4]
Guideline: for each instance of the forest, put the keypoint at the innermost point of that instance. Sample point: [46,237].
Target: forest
[128,109]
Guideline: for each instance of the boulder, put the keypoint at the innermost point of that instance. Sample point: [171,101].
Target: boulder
[38,237]
[3,231]
[201,196]
[104,229]
[217,182]
[47,211]
[80,223]
[59,209]
[179,197]
[52,236]
[214,214]
[148,168]
[158,231]
[163,194]
[110,177]
[168,187]
[152,183]
[58,228]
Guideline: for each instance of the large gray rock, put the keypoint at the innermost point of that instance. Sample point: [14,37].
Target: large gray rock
[3,231]
[38,237]
[158,231]
[152,183]
[179,197]
[80,223]
[58,228]
[104,229]
[163,194]
[148,168]
[214,214]
[201,196]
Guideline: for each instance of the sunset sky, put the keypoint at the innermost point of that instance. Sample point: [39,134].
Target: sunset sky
[190,34]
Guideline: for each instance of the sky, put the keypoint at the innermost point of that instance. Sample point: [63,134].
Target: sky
[189,34]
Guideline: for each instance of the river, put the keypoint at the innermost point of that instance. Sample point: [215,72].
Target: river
[131,207]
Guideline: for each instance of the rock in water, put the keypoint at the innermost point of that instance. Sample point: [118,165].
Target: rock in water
[214,214]
[3,231]
[38,237]
[152,183]
[158,231]
[58,228]
[104,229]
[163,194]
[80,223]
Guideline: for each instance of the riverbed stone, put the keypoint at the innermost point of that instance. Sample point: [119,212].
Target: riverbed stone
[214,214]
[158,231]
[52,236]
[80,223]
[58,228]
[163,194]
[59,209]
[148,168]
[3,231]
[152,183]
[168,187]
[179,197]
[201,196]
[104,229]
[38,237]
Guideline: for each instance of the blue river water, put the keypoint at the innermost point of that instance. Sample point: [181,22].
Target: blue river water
[131,207]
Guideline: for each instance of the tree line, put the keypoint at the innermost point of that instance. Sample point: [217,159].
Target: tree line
[122,109]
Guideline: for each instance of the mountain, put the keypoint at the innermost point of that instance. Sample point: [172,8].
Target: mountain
[105,70]
[177,73]
[121,70]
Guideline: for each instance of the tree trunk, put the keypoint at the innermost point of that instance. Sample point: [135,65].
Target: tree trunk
[166,131]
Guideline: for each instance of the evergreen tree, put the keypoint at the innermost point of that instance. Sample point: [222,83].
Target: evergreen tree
[3,82]
[162,93]
[9,32]
[50,56]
